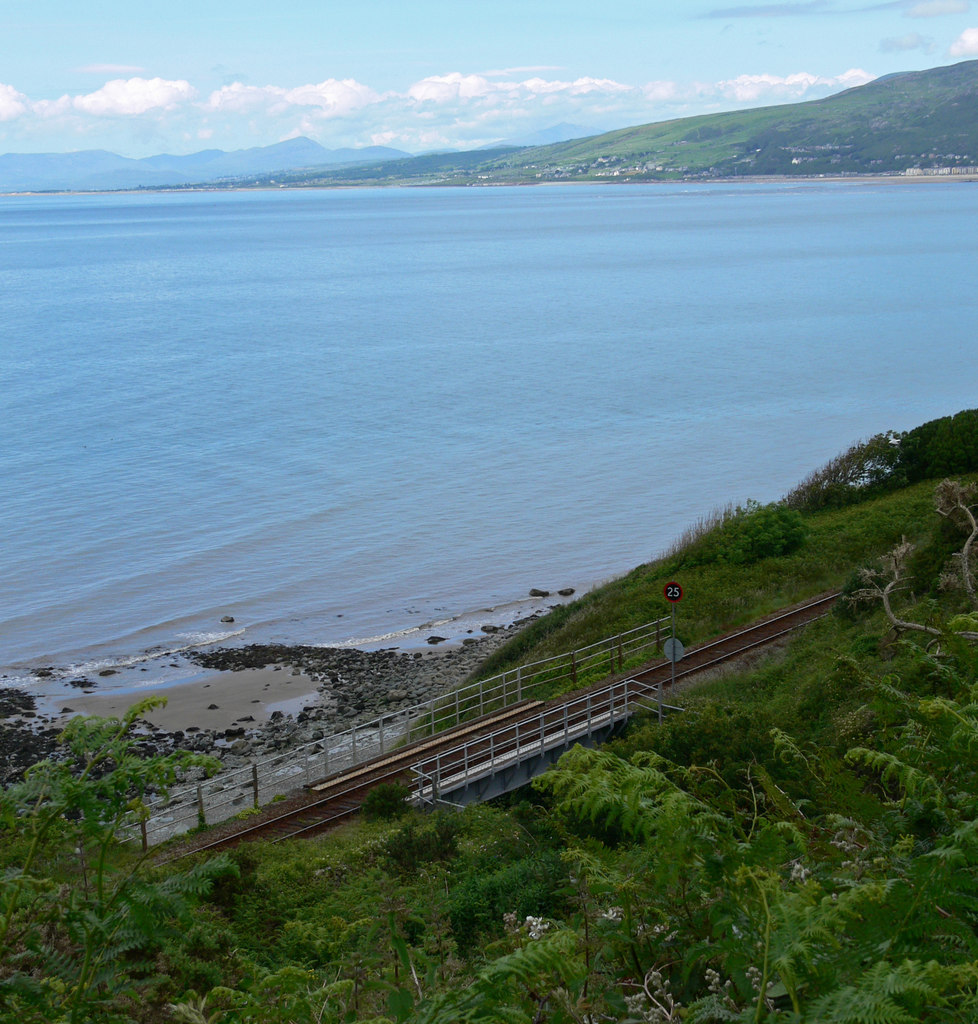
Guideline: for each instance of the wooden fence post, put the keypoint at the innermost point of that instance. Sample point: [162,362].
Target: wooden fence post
[254,783]
[201,818]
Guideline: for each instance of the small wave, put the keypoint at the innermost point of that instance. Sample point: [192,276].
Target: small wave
[363,641]
[510,610]
[8,682]
[96,665]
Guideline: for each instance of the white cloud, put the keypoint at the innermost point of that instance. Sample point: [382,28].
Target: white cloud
[238,98]
[966,45]
[448,88]
[936,8]
[660,92]
[453,110]
[332,98]
[12,103]
[750,88]
[456,87]
[126,97]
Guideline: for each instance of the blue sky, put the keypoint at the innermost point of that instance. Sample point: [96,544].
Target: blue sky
[148,77]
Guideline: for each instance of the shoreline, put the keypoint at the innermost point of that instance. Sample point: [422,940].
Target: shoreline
[757,179]
[244,703]
[165,655]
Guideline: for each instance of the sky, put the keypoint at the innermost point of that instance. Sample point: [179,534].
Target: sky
[147,77]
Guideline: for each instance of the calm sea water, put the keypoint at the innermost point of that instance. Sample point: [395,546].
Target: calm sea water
[337,415]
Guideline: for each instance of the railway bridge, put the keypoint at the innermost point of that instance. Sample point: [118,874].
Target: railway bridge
[501,749]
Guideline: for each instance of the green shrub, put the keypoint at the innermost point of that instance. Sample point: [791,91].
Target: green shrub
[420,841]
[747,534]
[943,447]
[533,885]
[386,802]
[861,471]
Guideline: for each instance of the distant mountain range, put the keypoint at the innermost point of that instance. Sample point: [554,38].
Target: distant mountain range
[916,122]
[97,169]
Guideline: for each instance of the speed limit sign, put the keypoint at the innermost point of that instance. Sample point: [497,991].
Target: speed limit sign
[673,592]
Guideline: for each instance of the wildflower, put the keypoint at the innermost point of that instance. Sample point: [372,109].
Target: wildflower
[799,873]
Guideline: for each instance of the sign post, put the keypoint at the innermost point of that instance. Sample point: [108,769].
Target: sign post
[673,648]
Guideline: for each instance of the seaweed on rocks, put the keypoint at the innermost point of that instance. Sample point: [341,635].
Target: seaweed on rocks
[22,742]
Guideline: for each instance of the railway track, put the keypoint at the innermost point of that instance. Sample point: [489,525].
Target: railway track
[330,801]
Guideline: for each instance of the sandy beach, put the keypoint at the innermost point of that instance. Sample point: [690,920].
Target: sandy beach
[218,701]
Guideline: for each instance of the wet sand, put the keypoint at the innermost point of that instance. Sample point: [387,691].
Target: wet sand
[220,700]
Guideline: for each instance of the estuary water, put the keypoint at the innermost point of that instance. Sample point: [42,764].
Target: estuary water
[372,415]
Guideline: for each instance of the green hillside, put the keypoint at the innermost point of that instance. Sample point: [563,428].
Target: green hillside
[921,119]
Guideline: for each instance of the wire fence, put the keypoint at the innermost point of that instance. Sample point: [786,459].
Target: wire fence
[237,791]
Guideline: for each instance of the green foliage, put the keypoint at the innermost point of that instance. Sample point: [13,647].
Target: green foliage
[943,447]
[73,904]
[386,802]
[421,841]
[531,886]
[748,534]
[860,472]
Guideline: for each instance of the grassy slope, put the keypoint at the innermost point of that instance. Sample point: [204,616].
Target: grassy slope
[721,597]
[901,116]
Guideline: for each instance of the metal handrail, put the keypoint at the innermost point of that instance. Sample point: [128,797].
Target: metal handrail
[573,719]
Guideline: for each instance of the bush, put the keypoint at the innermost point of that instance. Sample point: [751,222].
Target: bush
[865,469]
[421,841]
[386,802]
[748,534]
[943,447]
[533,885]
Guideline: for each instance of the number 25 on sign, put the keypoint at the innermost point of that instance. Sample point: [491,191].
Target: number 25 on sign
[673,592]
